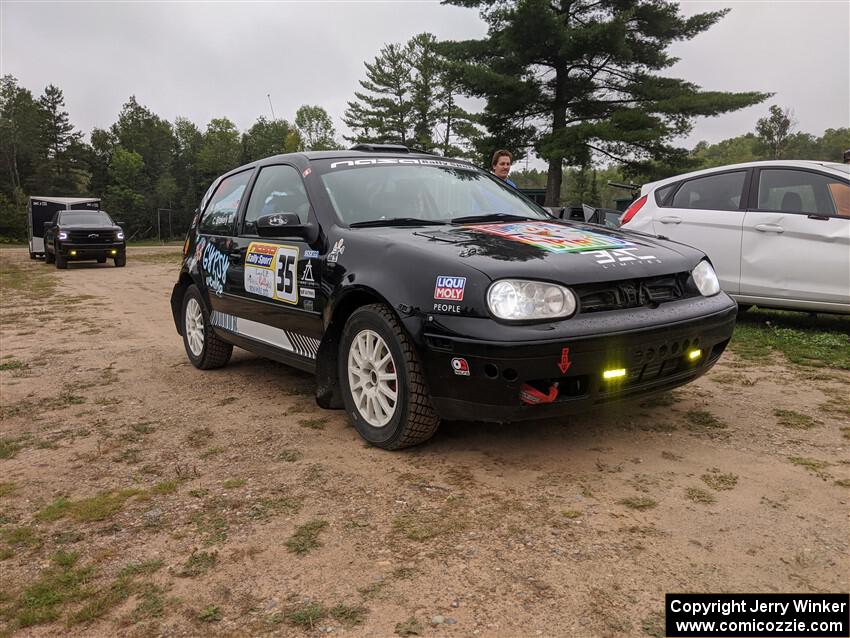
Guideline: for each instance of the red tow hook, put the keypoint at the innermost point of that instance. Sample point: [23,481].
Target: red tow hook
[533,396]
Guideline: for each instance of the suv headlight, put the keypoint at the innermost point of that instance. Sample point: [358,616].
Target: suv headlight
[119,234]
[705,279]
[63,234]
[521,300]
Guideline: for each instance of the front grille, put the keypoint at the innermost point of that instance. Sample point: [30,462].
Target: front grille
[633,293]
[91,236]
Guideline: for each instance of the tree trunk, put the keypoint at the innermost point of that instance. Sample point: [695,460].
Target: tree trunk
[559,121]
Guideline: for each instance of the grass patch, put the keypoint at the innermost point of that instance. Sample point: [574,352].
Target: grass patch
[210,614]
[842,482]
[699,495]
[716,480]
[145,569]
[87,510]
[306,615]
[306,537]
[348,615]
[805,340]
[166,487]
[794,420]
[151,603]
[21,537]
[571,514]
[814,466]
[701,421]
[289,456]
[317,423]
[231,484]
[198,564]
[14,364]
[638,502]
[199,437]
[425,525]
[7,488]
[410,627]
[9,447]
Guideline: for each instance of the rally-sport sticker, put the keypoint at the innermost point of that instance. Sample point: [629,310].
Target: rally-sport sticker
[270,271]
[553,237]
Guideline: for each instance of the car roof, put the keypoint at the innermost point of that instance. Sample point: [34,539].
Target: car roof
[832,166]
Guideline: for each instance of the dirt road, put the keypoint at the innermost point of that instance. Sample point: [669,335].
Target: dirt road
[227,503]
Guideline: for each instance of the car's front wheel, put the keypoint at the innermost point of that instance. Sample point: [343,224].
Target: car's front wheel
[61,261]
[204,349]
[383,386]
[121,260]
[49,257]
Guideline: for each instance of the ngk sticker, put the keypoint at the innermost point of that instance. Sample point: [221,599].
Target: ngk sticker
[460,366]
[449,288]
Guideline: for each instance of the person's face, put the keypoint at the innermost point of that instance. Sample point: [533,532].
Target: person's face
[502,167]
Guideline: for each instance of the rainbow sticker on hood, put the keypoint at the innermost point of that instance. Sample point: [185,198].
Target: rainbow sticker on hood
[553,237]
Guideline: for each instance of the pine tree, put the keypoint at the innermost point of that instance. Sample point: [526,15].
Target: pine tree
[577,79]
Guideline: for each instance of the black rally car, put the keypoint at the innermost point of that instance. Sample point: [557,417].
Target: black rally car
[418,288]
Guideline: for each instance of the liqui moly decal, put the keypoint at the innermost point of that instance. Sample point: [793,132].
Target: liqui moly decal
[449,288]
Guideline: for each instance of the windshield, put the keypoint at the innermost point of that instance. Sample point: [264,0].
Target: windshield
[434,190]
[95,218]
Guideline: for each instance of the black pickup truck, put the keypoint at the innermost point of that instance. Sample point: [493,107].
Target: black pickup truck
[83,234]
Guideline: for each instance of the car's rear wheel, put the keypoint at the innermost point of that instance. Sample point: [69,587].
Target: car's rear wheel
[49,257]
[61,262]
[383,386]
[204,349]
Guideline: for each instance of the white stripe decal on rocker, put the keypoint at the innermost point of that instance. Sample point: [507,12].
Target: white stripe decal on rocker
[284,339]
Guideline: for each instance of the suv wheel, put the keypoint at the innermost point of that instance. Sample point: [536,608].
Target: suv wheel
[382,382]
[120,260]
[61,262]
[49,257]
[101,260]
[204,349]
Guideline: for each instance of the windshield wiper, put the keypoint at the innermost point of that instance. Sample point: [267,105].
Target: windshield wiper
[398,221]
[490,217]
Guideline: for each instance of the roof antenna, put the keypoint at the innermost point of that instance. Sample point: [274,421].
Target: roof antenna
[269,95]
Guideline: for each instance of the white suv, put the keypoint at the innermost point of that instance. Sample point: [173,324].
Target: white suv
[777,233]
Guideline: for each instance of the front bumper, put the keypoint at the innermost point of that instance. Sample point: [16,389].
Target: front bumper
[654,355]
[91,251]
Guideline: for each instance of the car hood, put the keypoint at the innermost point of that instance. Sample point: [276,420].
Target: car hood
[91,227]
[566,252]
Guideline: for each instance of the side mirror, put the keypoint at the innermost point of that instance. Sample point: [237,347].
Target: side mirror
[117,223]
[48,225]
[282,225]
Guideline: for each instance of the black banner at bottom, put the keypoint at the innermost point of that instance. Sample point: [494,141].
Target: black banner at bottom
[757,615]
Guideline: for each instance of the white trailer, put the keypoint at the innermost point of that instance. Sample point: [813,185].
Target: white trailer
[42,209]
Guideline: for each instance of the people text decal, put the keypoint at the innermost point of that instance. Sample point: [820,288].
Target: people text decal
[449,288]
[621,257]
[270,271]
[553,237]
[388,160]
[215,265]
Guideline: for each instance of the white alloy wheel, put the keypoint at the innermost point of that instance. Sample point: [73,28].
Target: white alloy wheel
[372,378]
[194,326]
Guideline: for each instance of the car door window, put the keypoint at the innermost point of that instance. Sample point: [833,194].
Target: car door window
[793,191]
[278,189]
[713,192]
[221,211]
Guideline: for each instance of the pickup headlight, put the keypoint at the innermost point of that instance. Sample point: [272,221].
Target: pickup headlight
[521,300]
[63,234]
[705,279]
[119,234]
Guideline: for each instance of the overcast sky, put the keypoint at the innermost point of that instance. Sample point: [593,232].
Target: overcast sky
[211,59]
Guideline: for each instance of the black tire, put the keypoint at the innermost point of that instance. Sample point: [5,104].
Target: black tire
[214,352]
[101,260]
[744,307]
[120,260]
[61,262]
[414,420]
[32,255]
[49,257]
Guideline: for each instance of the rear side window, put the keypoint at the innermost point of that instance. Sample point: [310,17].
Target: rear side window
[221,211]
[713,192]
[662,193]
[278,189]
[791,191]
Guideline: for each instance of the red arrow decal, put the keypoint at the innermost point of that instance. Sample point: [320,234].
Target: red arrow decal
[565,364]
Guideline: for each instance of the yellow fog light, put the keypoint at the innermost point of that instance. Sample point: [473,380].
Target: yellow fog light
[616,373]
[114,252]
[693,355]
[73,253]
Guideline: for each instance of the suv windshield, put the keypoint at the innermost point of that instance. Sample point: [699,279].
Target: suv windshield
[433,191]
[94,218]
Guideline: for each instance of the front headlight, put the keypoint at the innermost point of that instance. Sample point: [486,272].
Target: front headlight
[705,279]
[521,300]
[119,234]
[63,234]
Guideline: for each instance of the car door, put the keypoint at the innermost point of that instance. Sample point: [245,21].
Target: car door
[275,283]
[796,237]
[707,212]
